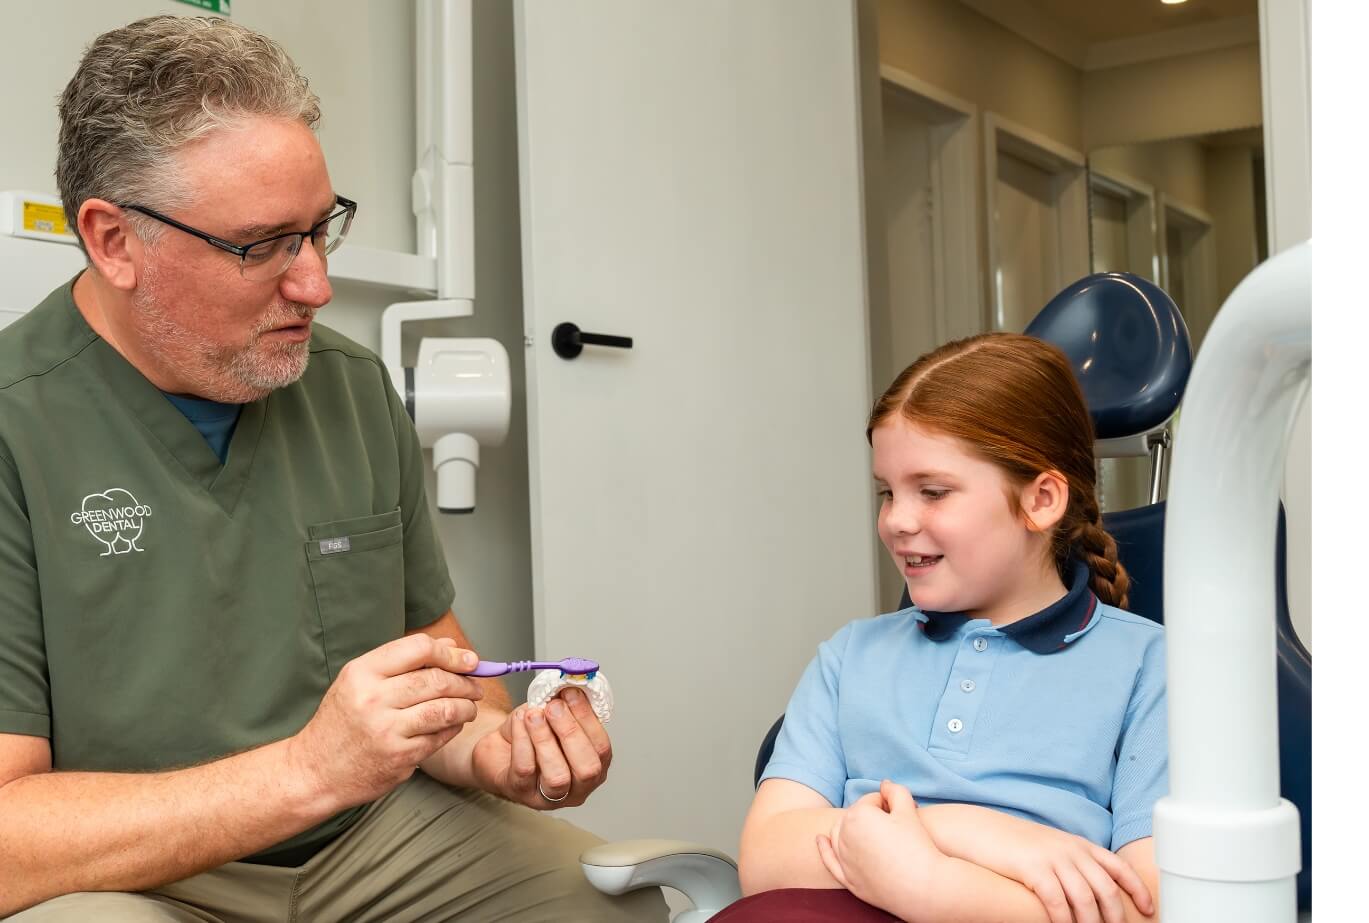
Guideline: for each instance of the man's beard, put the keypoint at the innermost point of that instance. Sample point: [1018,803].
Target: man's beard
[231,375]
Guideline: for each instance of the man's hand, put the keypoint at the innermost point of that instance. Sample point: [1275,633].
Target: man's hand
[879,850]
[388,710]
[546,758]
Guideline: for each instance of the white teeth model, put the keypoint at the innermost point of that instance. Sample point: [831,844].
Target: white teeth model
[548,683]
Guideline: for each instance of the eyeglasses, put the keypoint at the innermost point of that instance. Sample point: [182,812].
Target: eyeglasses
[266,259]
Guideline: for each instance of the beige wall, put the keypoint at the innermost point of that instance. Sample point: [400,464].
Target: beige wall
[1174,97]
[950,45]
[954,48]
[1218,180]
[1177,168]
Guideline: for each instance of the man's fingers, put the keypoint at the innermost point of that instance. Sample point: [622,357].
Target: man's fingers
[580,754]
[411,652]
[579,706]
[506,729]
[434,716]
[437,740]
[426,684]
[522,758]
[552,770]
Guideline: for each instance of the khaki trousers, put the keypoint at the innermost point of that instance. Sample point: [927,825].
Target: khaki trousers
[425,852]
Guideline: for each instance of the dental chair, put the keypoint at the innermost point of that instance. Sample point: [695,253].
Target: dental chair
[1131,353]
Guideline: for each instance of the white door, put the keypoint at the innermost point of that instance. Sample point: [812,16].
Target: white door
[701,503]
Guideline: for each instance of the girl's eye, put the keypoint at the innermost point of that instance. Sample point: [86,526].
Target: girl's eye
[934,493]
[884,493]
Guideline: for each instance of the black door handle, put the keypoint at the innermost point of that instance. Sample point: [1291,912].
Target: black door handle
[568,340]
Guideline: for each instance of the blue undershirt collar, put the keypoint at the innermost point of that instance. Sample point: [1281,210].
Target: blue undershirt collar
[215,421]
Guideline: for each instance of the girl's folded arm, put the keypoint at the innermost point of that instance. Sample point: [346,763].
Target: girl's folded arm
[779,839]
[1002,843]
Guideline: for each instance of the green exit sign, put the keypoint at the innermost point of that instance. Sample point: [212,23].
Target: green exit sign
[214,6]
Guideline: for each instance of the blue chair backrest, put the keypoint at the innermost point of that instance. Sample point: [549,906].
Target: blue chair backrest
[1128,346]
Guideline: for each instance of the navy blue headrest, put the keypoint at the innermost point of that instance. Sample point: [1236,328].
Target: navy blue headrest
[1128,345]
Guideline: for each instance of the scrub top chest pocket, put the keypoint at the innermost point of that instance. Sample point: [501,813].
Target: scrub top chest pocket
[357,568]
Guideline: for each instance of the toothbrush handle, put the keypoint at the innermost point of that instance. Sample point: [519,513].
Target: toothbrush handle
[496,668]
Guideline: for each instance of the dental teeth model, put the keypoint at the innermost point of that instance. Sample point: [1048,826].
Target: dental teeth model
[595,685]
[555,676]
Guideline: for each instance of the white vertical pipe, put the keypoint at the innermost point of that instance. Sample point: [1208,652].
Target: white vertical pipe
[1227,845]
[444,135]
[424,178]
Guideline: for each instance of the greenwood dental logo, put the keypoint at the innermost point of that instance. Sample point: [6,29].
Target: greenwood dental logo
[114,519]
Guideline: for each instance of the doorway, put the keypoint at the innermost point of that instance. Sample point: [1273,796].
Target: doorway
[1037,220]
[1187,264]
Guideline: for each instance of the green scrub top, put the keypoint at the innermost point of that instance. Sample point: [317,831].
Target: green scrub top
[159,608]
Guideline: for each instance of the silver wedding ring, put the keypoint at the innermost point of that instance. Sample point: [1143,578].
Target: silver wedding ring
[548,797]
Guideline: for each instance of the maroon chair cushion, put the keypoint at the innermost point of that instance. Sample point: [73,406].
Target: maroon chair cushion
[803,905]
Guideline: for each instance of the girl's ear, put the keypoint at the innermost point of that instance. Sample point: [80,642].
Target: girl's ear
[1044,501]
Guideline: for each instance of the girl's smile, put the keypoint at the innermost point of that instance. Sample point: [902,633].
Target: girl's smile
[956,529]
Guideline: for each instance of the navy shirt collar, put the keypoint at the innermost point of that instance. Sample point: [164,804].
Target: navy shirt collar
[1044,632]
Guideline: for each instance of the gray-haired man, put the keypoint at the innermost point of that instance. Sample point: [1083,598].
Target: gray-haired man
[227,641]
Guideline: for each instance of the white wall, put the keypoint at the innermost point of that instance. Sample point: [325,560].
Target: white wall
[358,55]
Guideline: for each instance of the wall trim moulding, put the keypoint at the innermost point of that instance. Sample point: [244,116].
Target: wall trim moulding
[1058,39]
[1213,36]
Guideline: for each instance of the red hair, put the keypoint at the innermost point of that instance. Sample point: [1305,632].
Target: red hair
[1014,401]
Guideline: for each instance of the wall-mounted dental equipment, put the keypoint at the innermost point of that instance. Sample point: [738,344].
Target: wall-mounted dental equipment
[458,392]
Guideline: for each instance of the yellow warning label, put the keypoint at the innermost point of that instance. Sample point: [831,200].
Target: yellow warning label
[40,216]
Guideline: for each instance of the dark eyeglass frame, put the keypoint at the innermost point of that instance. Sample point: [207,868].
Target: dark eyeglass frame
[346,207]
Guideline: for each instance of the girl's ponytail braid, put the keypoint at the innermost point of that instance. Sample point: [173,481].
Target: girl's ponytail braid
[1091,542]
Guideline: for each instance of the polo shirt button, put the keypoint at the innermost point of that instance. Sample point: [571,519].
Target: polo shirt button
[981,643]
[967,685]
[955,725]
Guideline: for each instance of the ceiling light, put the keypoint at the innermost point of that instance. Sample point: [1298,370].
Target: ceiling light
[1173,2]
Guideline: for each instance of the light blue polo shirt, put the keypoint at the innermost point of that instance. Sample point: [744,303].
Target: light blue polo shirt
[1058,718]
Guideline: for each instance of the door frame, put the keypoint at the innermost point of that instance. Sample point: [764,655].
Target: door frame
[958,309]
[1068,170]
[1142,243]
[1201,271]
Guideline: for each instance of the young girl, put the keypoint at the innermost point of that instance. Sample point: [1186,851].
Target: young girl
[1017,702]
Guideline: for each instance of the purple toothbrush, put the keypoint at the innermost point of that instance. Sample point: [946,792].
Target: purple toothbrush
[571,665]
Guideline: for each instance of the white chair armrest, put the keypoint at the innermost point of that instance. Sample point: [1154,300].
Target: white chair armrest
[705,875]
